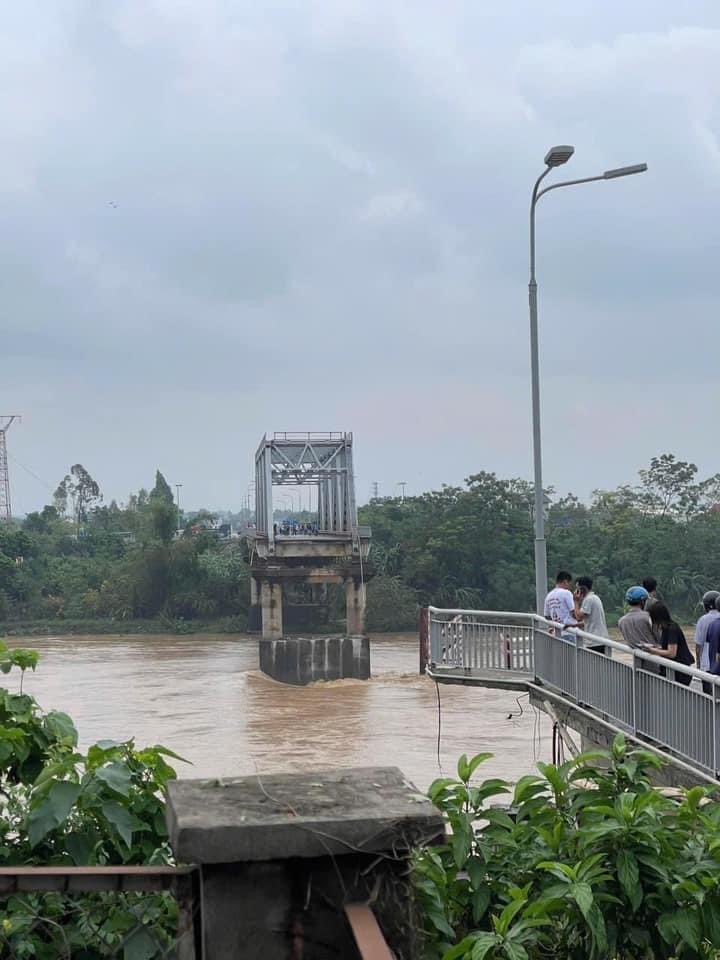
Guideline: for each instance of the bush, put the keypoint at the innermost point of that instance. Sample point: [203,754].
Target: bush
[391,605]
[588,863]
[60,806]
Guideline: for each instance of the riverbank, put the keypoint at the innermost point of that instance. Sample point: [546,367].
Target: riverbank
[151,627]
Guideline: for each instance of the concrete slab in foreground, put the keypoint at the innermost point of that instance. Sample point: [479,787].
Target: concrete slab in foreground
[281,816]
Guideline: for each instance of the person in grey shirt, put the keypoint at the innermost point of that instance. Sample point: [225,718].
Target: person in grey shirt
[636,625]
[589,611]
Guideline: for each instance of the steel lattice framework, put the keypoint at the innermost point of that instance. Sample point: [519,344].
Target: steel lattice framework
[324,459]
[5,505]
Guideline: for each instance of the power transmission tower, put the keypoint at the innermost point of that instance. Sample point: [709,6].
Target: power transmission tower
[5,507]
[375,489]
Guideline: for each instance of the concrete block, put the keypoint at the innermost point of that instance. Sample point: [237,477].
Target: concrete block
[282,855]
[281,816]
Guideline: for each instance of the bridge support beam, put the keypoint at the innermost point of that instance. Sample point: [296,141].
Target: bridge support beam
[355,607]
[271,603]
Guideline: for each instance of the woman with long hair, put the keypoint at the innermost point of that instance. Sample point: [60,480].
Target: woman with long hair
[673,645]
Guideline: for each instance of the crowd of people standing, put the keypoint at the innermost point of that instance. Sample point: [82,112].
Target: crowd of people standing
[648,624]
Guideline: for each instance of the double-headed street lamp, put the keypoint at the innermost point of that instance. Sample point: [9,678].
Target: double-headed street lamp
[555,157]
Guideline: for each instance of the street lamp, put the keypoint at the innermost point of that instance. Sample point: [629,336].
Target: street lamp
[555,157]
[178,487]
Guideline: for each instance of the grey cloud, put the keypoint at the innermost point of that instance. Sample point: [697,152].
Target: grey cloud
[321,220]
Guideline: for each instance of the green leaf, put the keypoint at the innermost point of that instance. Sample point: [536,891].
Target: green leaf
[583,896]
[515,951]
[528,787]
[476,871]
[480,901]
[60,727]
[629,876]
[140,945]
[25,659]
[117,776]
[121,818]
[461,844]
[439,921]
[52,811]
[476,761]
[687,924]
[461,949]
[483,945]
[463,768]
[81,847]
[509,914]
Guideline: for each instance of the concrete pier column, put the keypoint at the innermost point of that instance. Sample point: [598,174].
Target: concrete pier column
[276,876]
[254,592]
[271,602]
[355,607]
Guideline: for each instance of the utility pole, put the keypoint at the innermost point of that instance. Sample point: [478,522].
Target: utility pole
[5,507]
[178,487]
[402,484]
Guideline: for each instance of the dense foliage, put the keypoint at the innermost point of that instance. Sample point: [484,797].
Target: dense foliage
[60,806]
[589,862]
[79,560]
[472,546]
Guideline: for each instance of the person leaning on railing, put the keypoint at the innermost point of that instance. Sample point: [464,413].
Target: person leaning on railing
[712,644]
[636,626]
[589,612]
[702,647]
[673,645]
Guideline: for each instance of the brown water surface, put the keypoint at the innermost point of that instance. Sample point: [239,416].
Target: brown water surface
[204,697]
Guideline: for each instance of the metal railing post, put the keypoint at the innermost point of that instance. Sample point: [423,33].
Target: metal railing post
[634,693]
[577,671]
[716,760]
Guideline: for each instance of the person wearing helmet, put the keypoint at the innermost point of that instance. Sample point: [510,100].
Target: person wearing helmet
[712,643]
[636,626]
[701,628]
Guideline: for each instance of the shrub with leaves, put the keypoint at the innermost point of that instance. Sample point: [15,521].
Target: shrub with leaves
[59,806]
[588,862]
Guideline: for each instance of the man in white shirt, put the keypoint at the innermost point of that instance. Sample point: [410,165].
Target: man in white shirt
[559,603]
[589,612]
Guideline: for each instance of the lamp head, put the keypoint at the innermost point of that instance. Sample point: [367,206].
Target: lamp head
[625,171]
[557,156]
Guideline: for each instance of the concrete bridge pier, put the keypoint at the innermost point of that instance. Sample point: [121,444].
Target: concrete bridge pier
[271,605]
[355,607]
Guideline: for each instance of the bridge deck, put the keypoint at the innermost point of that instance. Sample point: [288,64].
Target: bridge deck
[671,708]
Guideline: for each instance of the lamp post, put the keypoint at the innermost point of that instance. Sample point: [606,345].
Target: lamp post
[178,487]
[555,157]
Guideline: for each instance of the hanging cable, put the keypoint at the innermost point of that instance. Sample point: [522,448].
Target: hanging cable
[439,725]
[30,472]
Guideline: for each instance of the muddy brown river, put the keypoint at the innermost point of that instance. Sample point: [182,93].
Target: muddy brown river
[204,697]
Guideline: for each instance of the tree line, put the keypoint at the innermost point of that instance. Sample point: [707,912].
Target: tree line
[472,546]
[78,559]
[465,546]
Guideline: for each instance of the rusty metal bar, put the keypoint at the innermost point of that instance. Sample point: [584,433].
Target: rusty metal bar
[143,879]
[369,938]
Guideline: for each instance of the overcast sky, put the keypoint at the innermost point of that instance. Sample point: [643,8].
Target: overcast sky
[221,218]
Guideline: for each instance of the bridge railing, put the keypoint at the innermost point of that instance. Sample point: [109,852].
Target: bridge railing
[634,690]
[488,640]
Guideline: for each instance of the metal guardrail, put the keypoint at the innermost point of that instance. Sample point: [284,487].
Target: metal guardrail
[487,640]
[623,685]
[113,911]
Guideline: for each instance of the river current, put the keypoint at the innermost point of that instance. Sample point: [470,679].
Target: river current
[205,698]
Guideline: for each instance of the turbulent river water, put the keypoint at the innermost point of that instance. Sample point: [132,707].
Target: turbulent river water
[204,697]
